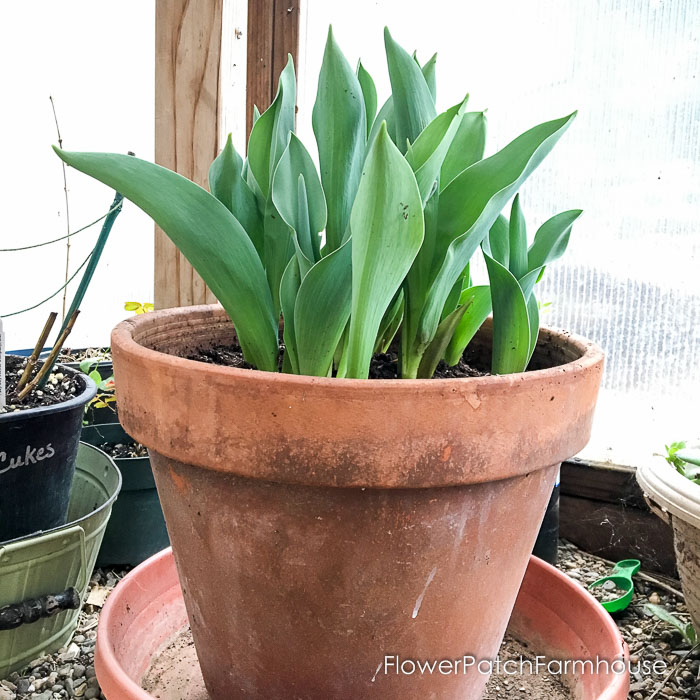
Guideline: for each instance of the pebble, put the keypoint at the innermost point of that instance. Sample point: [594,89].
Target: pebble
[6,693]
[69,654]
[24,686]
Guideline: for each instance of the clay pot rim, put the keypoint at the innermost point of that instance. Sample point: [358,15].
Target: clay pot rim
[591,355]
[671,491]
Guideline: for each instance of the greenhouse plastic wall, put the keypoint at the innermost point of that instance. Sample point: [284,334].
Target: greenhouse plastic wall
[631,277]
[96,61]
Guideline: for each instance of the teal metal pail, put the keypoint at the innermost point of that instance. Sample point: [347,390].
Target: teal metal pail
[56,560]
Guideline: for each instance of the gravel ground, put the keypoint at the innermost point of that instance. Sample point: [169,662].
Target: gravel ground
[70,673]
[648,637]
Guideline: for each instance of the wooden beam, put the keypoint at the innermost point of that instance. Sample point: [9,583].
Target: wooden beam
[260,35]
[273,33]
[188,52]
[602,510]
[188,100]
[285,37]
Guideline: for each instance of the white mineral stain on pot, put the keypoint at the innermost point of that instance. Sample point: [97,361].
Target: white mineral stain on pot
[419,601]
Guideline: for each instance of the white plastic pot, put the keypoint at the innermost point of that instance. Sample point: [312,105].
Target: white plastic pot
[677,501]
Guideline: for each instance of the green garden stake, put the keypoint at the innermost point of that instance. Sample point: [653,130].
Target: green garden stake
[621,576]
[114,211]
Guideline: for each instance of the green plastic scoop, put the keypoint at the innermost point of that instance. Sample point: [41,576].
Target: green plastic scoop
[621,576]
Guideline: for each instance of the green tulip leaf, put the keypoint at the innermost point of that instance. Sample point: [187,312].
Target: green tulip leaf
[517,259]
[387,232]
[428,151]
[511,326]
[340,128]
[471,203]
[414,107]
[369,95]
[436,350]
[478,302]
[207,234]
[322,311]
[226,183]
[467,147]
[551,239]
[295,163]
[289,288]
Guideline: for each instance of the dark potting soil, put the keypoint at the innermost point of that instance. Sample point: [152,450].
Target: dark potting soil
[504,684]
[58,387]
[124,450]
[383,366]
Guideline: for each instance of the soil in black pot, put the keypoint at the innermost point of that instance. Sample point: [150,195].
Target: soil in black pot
[59,387]
[124,450]
[80,354]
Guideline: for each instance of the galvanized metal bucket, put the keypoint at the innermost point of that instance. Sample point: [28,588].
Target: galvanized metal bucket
[35,568]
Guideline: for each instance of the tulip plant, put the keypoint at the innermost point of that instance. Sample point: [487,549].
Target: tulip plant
[372,246]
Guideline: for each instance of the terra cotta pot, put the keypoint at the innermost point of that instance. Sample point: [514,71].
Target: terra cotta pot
[320,525]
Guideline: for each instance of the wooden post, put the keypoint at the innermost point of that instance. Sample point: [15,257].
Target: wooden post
[188,52]
[273,33]
[188,101]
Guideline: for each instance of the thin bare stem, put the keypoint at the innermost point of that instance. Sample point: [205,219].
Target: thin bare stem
[37,350]
[65,193]
[51,359]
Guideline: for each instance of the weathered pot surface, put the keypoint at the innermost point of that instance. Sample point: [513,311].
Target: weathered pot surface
[320,524]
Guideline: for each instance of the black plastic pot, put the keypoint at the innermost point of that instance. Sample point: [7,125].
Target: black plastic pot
[136,529]
[37,460]
[547,543]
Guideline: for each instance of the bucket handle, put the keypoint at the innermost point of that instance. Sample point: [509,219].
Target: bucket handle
[32,609]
